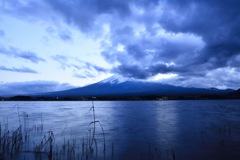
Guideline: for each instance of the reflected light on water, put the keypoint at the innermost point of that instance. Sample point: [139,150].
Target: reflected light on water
[167,119]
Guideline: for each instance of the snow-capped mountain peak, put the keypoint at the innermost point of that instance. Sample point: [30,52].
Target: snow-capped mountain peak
[116,79]
[121,86]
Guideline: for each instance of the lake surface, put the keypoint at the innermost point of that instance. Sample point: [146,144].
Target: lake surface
[135,129]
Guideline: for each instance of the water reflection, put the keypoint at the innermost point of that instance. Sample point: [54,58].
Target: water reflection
[137,126]
[168,119]
[193,129]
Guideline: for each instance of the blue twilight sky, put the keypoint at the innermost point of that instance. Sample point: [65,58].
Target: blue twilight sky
[48,45]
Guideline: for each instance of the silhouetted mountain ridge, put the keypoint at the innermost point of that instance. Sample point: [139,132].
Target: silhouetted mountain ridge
[115,86]
[235,94]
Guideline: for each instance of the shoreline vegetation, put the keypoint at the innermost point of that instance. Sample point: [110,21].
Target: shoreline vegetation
[72,95]
[35,142]
[116,98]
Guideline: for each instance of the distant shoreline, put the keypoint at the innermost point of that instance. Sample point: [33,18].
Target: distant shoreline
[124,98]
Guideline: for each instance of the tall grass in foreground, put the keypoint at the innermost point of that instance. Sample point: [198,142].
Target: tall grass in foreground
[33,142]
[16,144]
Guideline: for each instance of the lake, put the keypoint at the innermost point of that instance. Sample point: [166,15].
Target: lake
[204,129]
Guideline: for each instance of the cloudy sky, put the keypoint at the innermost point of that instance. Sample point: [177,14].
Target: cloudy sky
[56,44]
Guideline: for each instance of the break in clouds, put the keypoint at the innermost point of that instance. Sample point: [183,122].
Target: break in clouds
[29,87]
[197,41]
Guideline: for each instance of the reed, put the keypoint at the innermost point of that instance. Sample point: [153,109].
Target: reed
[11,142]
[112,151]
[173,155]
[16,140]
[0,136]
[93,134]
[86,148]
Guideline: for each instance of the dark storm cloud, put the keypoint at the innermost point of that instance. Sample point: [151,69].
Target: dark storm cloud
[31,87]
[149,55]
[217,22]
[137,72]
[84,14]
[189,38]
[22,70]
[17,53]
[220,78]
[31,10]
[131,71]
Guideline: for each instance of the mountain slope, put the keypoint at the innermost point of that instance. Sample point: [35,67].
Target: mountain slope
[115,86]
[235,94]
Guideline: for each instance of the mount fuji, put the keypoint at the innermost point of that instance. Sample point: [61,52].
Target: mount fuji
[120,86]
